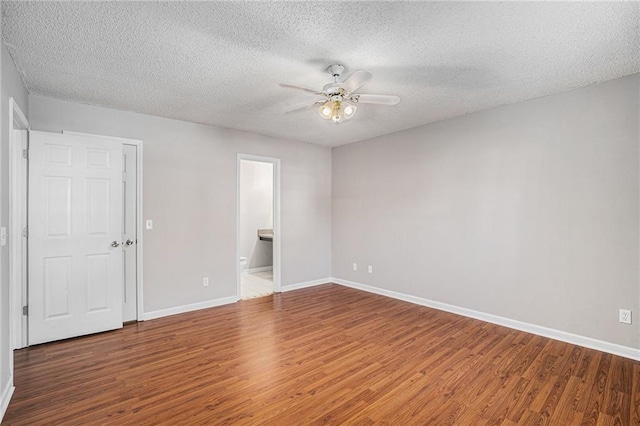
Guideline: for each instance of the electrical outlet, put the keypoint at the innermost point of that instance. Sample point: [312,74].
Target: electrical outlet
[355,266]
[625,316]
[205,282]
[370,269]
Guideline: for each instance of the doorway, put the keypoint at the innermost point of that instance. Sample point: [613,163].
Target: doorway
[258,242]
[107,205]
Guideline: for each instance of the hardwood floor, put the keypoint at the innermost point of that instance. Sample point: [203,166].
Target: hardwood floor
[323,355]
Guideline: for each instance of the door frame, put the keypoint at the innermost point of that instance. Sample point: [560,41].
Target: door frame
[18,182]
[277,238]
[139,234]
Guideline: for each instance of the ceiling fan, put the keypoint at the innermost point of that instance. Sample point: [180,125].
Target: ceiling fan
[339,99]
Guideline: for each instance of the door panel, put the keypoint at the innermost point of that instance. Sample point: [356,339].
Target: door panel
[75,213]
[57,277]
[98,195]
[58,206]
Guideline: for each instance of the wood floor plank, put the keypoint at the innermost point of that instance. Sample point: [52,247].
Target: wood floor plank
[635,396]
[617,398]
[595,406]
[323,355]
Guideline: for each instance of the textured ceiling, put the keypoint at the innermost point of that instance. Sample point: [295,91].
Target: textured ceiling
[221,63]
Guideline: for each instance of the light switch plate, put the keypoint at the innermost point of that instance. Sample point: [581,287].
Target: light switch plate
[149,224]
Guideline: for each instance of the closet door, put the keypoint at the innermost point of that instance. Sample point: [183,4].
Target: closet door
[75,233]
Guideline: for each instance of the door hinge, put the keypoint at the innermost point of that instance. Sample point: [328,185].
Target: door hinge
[25,232]
[25,310]
[25,154]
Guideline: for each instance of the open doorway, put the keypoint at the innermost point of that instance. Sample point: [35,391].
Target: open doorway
[258,245]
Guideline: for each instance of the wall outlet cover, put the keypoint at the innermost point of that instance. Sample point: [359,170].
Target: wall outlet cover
[625,316]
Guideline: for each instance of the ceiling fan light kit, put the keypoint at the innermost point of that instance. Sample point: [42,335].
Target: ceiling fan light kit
[337,110]
[339,100]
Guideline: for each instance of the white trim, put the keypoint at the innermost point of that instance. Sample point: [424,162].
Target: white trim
[260,269]
[551,333]
[222,301]
[140,233]
[7,393]
[306,284]
[17,195]
[21,119]
[118,138]
[139,216]
[277,238]
[189,308]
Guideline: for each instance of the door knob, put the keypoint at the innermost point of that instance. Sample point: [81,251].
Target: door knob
[115,244]
[129,242]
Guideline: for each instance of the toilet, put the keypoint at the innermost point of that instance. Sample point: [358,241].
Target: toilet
[243,264]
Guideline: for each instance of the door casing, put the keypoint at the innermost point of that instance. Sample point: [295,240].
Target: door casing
[18,169]
[129,228]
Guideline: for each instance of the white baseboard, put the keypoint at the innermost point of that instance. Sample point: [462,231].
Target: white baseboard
[305,284]
[7,393]
[188,308]
[260,269]
[551,333]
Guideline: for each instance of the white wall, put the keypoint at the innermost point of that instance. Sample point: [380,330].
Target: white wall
[190,193]
[528,211]
[256,212]
[12,86]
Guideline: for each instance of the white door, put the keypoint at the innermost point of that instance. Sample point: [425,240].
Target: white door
[129,231]
[75,231]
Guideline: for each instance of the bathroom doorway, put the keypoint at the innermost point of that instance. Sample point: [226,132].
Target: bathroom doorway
[258,224]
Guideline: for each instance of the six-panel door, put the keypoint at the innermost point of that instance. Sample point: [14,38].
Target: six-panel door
[75,232]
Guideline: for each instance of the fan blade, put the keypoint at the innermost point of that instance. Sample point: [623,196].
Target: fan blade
[356,80]
[301,106]
[378,99]
[296,86]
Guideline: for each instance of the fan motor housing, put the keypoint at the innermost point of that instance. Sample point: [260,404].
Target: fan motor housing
[332,88]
